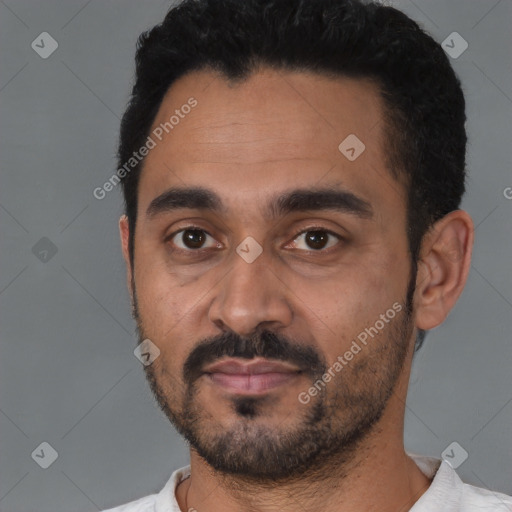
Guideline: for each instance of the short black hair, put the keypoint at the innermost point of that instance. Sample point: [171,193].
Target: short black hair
[422,96]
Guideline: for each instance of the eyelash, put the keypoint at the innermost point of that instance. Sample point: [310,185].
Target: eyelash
[302,232]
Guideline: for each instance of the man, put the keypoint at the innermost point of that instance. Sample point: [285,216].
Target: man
[292,173]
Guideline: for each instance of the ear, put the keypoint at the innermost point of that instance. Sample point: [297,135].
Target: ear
[124,232]
[443,267]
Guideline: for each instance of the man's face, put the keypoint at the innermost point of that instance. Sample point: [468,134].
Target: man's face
[277,286]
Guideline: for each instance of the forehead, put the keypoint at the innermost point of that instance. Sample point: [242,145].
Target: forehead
[271,131]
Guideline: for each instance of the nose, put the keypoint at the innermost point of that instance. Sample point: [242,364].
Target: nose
[251,296]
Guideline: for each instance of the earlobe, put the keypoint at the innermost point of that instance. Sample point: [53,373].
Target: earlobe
[443,268]
[124,232]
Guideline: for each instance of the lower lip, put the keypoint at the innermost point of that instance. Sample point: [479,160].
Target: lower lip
[251,384]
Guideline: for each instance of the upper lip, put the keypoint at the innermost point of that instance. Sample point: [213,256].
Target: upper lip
[250,367]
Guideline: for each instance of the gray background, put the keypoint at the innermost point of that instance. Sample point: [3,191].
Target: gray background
[68,373]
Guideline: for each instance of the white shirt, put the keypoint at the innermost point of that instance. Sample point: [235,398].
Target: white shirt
[447,493]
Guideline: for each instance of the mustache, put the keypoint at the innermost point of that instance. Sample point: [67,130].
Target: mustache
[266,344]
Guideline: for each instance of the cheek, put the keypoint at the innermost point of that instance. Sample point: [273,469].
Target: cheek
[161,314]
[160,300]
[339,308]
[169,312]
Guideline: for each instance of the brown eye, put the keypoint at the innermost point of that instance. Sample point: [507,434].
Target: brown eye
[316,240]
[192,239]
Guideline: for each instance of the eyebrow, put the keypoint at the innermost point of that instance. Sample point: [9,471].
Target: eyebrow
[297,200]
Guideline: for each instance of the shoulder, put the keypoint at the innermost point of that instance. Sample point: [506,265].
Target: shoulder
[164,501]
[448,493]
[475,499]
[146,504]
